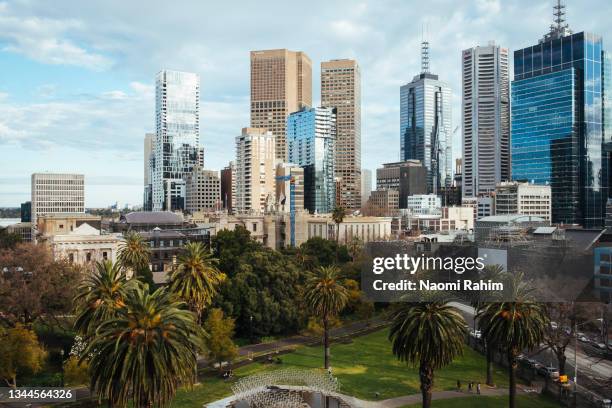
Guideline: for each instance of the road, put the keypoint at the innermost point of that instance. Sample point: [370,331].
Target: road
[590,366]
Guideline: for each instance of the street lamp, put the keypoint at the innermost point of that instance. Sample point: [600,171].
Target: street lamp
[576,326]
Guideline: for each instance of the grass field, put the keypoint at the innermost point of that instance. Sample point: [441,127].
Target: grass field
[363,367]
[523,401]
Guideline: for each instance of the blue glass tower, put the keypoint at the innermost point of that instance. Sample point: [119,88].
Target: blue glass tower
[557,123]
[311,141]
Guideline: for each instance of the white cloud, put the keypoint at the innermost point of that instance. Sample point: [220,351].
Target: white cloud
[43,40]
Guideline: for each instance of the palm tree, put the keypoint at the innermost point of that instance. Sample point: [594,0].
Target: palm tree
[429,335]
[355,247]
[196,277]
[514,326]
[494,273]
[325,296]
[134,253]
[145,352]
[338,216]
[100,296]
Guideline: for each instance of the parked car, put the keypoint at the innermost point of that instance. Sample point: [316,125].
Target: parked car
[476,333]
[583,338]
[600,346]
[550,372]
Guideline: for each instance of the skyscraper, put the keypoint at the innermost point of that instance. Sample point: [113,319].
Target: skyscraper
[228,187]
[255,170]
[281,83]
[425,124]
[148,160]
[311,137]
[557,125]
[486,119]
[202,190]
[366,185]
[177,137]
[341,89]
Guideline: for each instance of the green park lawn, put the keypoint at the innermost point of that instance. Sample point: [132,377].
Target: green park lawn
[523,401]
[363,367]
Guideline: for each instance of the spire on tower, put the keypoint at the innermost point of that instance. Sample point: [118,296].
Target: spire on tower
[424,54]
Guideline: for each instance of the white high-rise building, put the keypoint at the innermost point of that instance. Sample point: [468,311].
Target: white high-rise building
[486,119]
[177,137]
[255,170]
[54,193]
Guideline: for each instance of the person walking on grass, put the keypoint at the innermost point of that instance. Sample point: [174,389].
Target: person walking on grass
[478,388]
[458,385]
[470,386]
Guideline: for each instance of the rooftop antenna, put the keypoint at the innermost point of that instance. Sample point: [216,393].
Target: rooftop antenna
[559,28]
[424,53]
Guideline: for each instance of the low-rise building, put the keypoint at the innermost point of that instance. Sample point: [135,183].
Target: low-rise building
[424,204]
[64,223]
[23,229]
[523,198]
[84,245]
[384,202]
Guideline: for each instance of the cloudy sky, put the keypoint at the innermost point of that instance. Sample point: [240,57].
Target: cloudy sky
[77,77]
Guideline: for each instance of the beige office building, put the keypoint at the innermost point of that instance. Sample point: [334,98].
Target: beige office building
[255,170]
[202,190]
[281,83]
[341,88]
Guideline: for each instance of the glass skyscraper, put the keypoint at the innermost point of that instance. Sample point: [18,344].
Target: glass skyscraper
[311,139]
[176,148]
[557,123]
[425,128]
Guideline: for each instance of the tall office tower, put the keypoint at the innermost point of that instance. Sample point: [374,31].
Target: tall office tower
[486,119]
[425,124]
[407,178]
[341,89]
[366,185]
[228,187]
[54,193]
[177,137]
[311,137]
[255,170]
[202,190]
[149,160]
[560,144]
[281,83]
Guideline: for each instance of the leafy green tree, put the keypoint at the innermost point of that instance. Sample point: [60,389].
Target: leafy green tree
[325,296]
[20,353]
[514,326]
[145,352]
[428,335]
[101,296]
[196,277]
[229,246]
[219,345]
[355,248]
[338,215]
[323,252]
[262,294]
[134,255]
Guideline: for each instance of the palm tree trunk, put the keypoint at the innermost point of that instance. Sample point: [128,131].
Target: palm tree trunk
[426,377]
[512,379]
[326,341]
[337,233]
[490,352]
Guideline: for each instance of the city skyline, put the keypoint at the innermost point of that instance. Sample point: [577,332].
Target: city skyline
[84,95]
